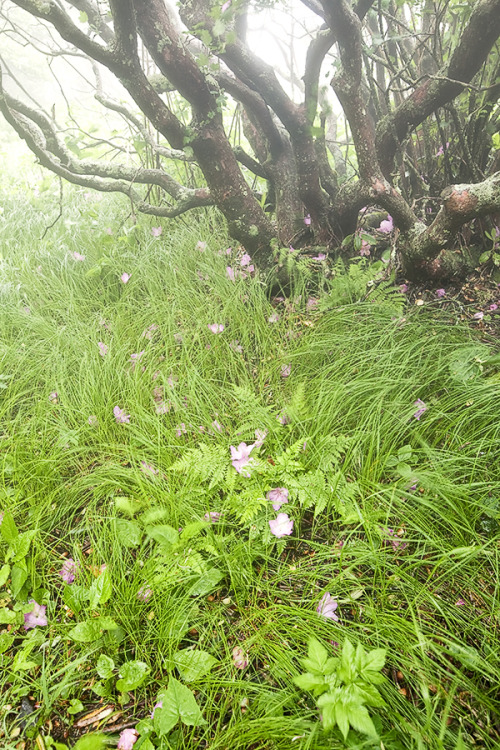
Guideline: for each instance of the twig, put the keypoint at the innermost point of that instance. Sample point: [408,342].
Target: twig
[60,210]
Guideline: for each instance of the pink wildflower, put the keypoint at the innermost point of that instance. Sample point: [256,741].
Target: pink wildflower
[125,277]
[327,606]
[281,526]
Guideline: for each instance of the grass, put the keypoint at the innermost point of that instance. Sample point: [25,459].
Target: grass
[396,517]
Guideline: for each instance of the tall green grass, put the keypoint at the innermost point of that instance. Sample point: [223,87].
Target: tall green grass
[356,370]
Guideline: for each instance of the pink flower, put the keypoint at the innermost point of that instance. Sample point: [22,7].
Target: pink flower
[240,457]
[213,516]
[149,469]
[307,220]
[285,371]
[236,346]
[77,256]
[312,303]
[125,277]
[93,421]
[365,248]
[69,571]
[245,260]
[493,307]
[421,408]
[281,526]
[240,659]
[230,273]
[387,225]
[478,316]
[278,497]
[320,256]
[156,231]
[36,616]
[274,317]
[440,293]
[103,349]
[148,333]
[127,740]
[327,606]
[180,429]
[135,357]
[283,418]
[53,397]
[403,288]
[201,246]
[144,594]
[460,603]
[260,436]
[217,426]
[216,327]
[120,415]
[440,151]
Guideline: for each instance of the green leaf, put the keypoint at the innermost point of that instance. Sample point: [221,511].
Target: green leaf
[21,544]
[101,590]
[310,682]
[75,707]
[192,530]
[219,27]
[74,597]
[105,666]
[90,630]
[8,528]
[92,742]
[206,582]
[6,641]
[129,533]
[360,719]
[342,719]
[4,574]
[178,703]
[164,535]
[18,578]
[83,17]
[347,671]
[193,664]
[375,660]
[317,657]
[133,674]
[7,616]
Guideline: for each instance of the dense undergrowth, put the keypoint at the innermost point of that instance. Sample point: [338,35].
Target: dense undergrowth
[120,398]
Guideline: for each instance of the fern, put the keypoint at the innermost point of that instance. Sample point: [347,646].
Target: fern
[386,295]
[205,463]
[332,450]
[247,504]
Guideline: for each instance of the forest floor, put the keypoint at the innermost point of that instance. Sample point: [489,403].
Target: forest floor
[202,487]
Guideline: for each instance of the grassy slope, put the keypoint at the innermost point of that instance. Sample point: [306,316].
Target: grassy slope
[356,371]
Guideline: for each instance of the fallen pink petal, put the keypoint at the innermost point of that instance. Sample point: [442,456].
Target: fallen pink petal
[125,277]
[281,526]
[36,616]
[128,738]
[120,415]
[327,607]
[278,497]
[216,327]
[240,457]
[240,659]
[156,231]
